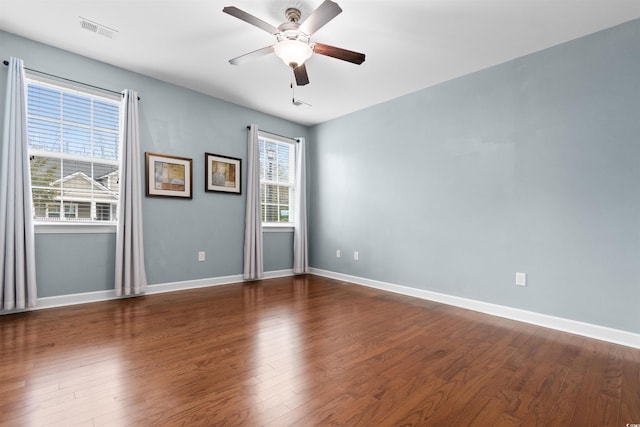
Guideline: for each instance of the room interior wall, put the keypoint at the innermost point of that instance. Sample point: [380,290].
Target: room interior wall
[529,166]
[174,121]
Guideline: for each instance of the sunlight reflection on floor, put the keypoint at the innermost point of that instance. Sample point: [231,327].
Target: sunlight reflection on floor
[278,357]
[76,386]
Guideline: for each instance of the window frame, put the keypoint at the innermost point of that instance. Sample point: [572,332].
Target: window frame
[71,226]
[290,142]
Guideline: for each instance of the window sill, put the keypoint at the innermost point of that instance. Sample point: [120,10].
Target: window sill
[285,228]
[74,228]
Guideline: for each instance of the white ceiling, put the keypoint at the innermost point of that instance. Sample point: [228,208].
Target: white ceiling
[410,44]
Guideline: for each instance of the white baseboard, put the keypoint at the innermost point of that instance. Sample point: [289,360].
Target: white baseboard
[615,336]
[602,333]
[87,297]
[214,281]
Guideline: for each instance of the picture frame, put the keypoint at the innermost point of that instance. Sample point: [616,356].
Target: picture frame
[222,174]
[168,176]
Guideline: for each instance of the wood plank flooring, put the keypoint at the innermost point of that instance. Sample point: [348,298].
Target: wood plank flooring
[304,351]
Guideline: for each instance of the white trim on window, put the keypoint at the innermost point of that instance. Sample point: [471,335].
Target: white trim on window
[268,227]
[270,176]
[75,228]
[69,86]
[85,144]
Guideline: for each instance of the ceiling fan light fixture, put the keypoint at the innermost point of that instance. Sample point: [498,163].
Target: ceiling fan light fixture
[293,52]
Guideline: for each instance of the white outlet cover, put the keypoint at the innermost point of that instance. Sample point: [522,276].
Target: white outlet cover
[521,279]
[356,256]
[337,253]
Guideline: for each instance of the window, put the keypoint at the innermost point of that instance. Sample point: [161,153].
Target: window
[70,210]
[277,180]
[73,152]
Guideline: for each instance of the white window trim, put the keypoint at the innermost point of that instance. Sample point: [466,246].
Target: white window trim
[95,92]
[75,228]
[64,227]
[281,227]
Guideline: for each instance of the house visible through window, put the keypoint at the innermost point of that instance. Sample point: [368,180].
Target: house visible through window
[74,153]
[277,180]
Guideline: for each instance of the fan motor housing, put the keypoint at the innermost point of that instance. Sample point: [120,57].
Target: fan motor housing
[291,31]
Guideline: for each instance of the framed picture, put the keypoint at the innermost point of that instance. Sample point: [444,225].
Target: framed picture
[222,173]
[168,176]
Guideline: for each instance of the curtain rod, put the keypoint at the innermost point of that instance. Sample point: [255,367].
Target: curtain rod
[5,62]
[276,134]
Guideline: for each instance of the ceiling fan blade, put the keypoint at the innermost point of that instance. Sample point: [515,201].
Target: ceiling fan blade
[246,17]
[319,17]
[300,72]
[251,55]
[338,53]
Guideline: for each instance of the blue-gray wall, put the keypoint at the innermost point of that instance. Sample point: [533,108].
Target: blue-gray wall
[528,166]
[531,166]
[174,121]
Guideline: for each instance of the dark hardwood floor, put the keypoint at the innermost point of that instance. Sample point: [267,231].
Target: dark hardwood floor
[304,351]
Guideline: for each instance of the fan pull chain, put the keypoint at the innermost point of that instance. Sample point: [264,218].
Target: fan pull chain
[293,93]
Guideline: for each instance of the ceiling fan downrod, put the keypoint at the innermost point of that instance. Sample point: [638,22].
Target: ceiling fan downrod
[292,14]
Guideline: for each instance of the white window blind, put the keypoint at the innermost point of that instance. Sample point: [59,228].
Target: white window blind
[277,180]
[74,153]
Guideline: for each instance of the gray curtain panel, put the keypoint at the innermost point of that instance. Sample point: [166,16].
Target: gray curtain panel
[300,259]
[253,258]
[17,241]
[130,277]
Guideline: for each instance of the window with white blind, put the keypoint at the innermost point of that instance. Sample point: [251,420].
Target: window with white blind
[277,180]
[74,153]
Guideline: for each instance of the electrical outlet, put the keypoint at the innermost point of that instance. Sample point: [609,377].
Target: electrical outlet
[521,279]
[201,256]
[356,256]
[337,253]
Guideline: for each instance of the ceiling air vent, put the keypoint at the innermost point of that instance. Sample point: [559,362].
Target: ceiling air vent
[94,27]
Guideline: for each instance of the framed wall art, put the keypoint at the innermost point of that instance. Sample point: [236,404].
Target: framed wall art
[168,176]
[222,173]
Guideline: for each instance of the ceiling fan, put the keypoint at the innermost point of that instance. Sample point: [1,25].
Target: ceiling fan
[293,38]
